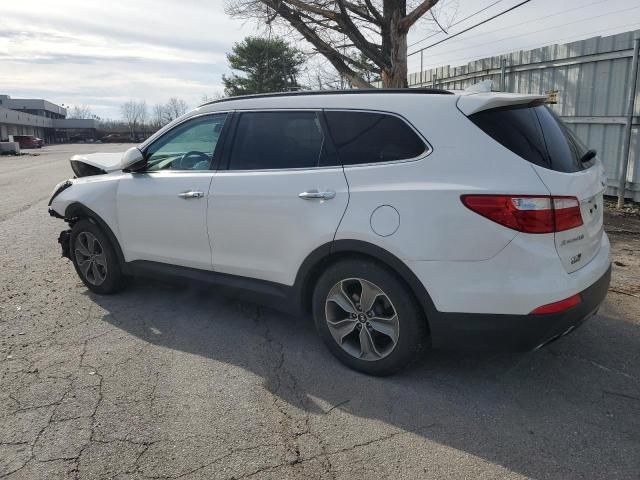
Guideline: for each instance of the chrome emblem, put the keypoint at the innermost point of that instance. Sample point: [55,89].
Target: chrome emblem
[571,240]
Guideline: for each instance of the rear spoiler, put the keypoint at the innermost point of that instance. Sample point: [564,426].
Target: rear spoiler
[472,102]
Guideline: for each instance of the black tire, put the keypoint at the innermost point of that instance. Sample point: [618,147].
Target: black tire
[113,280]
[412,326]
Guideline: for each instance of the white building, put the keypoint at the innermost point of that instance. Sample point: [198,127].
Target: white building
[46,120]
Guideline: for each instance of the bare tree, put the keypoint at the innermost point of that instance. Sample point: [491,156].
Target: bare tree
[80,111]
[158,116]
[320,75]
[143,113]
[134,114]
[375,29]
[174,108]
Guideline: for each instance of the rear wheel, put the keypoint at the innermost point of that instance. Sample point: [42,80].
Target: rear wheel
[94,258]
[367,317]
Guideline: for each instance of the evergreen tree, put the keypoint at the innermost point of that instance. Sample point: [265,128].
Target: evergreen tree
[266,65]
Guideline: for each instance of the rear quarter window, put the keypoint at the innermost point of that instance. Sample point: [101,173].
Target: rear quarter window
[535,134]
[369,137]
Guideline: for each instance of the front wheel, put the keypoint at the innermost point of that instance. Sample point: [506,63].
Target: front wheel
[94,258]
[367,317]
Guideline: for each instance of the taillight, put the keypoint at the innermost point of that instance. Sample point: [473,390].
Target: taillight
[567,213]
[556,307]
[527,213]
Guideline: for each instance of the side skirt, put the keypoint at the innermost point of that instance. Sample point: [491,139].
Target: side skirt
[274,295]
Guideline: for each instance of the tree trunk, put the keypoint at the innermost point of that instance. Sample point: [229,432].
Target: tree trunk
[394,45]
[396,75]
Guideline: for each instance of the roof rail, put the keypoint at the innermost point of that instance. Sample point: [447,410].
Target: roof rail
[430,91]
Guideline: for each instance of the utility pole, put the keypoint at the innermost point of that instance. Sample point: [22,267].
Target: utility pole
[503,74]
[627,130]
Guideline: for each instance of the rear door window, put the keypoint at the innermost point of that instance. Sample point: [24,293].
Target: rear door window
[369,137]
[277,140]
[535,134]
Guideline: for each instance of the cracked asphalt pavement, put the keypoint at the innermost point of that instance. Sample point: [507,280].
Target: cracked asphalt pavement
[166,381]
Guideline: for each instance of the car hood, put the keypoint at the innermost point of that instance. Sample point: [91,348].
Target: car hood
[95,163]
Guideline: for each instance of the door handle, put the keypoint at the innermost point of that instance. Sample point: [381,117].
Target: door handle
[315,194]
[191,194]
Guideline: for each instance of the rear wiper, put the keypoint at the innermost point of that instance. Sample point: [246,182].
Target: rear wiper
[588,156]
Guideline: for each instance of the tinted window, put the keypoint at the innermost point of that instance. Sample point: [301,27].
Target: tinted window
[189,146]
[362,137]
[535,134]
[275,140]
[564,147]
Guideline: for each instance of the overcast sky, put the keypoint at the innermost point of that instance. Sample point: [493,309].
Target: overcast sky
[103,53]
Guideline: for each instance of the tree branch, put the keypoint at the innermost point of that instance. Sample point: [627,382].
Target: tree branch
[321,22]
[362,12]
[333,56]
[408,20]
[374,11]
[351,30]
[310,8]
[361,65]
[437,22]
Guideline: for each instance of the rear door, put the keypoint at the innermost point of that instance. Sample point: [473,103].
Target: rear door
[534,133]
[281,196]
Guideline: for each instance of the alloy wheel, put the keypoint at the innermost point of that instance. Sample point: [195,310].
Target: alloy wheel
[90,258]
[361,319]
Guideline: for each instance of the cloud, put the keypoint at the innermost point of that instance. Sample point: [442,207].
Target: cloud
[76,52]
[104,53]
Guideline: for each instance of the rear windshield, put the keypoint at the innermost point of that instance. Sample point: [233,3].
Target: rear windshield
[536,134]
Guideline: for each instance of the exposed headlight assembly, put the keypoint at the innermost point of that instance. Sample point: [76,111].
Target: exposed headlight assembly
[59,188]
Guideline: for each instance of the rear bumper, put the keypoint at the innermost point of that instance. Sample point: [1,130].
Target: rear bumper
[483,331]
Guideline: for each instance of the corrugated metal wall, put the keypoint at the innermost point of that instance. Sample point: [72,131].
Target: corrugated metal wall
[592,78]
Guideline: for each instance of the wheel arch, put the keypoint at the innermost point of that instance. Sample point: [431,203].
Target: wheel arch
[77,211]
[325,255]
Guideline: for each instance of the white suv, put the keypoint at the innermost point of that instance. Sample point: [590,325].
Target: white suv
[399,219]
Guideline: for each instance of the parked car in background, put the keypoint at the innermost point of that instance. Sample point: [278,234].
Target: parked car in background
[28,141]
[116,138]
[396,219]
[81,139]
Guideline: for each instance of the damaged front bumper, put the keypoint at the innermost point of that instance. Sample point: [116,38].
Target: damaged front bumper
[64,239]
[58,189]
[55,214]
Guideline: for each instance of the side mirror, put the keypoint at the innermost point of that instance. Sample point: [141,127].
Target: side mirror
[132,160]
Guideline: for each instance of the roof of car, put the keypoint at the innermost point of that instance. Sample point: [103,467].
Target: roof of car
[360,91]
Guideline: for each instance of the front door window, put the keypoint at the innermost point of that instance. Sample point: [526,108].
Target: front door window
[190,146]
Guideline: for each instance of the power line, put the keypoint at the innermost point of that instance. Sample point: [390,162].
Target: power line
[457,23]
[541,30]
[566,38]
[532,20]
[472,26]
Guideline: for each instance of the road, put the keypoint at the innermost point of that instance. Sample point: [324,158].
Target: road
[165,381]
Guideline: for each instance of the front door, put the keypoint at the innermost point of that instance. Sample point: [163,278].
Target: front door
[281,196]
[162,211]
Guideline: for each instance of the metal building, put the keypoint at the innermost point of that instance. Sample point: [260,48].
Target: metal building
[46,120]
